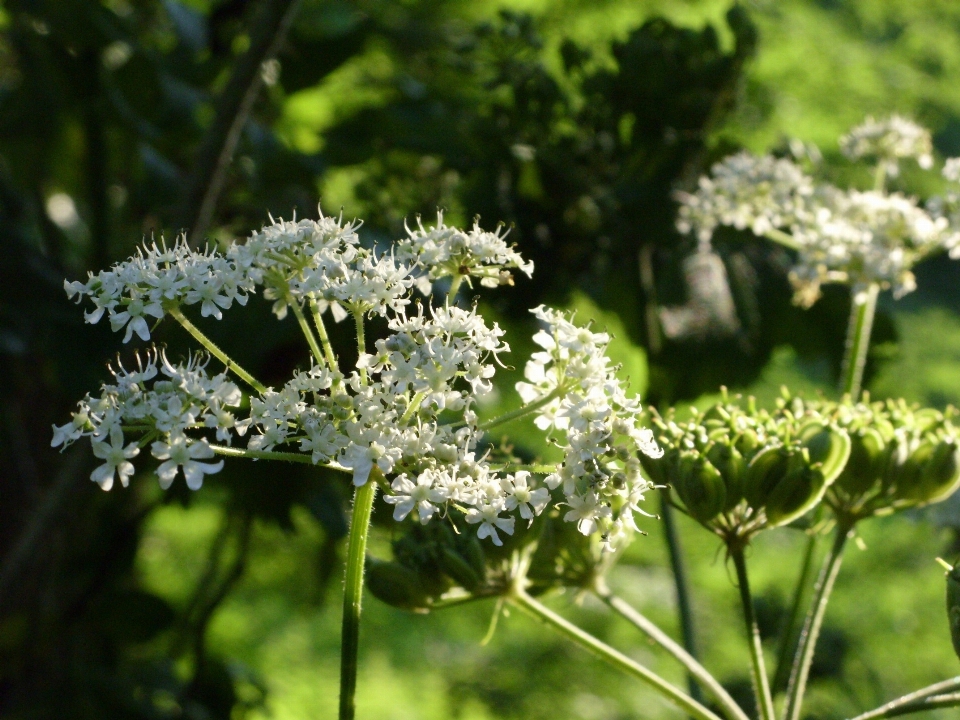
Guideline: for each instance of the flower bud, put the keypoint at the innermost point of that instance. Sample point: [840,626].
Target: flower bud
[940,476]
[868,456]
[395,584]
[830,447]
[766,469]
[795,494]
[733,468]
[700,487]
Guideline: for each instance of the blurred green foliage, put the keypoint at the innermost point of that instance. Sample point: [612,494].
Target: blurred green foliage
[573,122]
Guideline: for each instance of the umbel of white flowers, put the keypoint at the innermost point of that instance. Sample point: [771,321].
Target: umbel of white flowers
[847,236]
[406,408]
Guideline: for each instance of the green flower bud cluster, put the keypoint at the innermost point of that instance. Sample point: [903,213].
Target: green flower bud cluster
[738,470]
[901,456]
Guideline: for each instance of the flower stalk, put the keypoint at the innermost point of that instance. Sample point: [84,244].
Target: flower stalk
[858,340]
[535,609]
[761,684]
[927,698]
[177,314]
[353,594]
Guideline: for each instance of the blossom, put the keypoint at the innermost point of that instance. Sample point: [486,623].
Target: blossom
[117,459]
[889,140]
[179,453]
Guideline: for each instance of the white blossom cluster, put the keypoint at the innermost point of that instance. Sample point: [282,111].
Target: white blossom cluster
[746,191]
[847,236]
[180,398]
[889,141]
[599,425]
[947,206]
[403,416]
[449,251]
[862,238]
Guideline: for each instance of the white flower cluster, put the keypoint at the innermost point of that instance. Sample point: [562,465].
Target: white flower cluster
[181,398]
[403,416]
[862,238]
[746,191]
[888,141]
[853,237]
[448,251]
[602,435]
[947,206]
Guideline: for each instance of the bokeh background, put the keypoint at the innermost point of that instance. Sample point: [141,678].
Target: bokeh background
[573,121]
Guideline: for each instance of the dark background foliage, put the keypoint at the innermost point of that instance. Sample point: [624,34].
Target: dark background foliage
[122,120]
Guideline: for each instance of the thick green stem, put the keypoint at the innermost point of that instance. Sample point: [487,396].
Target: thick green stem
[858,341]
[322,333]
[914,702]
[307,332]
[361,342]
[788,636]
[523,410]
[606,653]
[684,608]
[454,288]
[219,354]
[761,684]
[629,613]
[812,623]
[353,594]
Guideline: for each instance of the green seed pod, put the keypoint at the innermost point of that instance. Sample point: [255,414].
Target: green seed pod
[797,493]
[457,567]
[828,446]
[953,606]
[867,459]
[700,487]
[940,475]
[764,472]
[733,468]
[747,443]
[395,584]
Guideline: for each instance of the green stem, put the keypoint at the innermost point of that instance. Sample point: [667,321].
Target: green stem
[606,653]
[893,707]
[535,469]
[788,637]
[207,343]
[761,685]
[523,410]
[353,594]
[681,586]
[273,455]
[322,332]
[307,332]
[880,176]
[454,288]
[361,342]
[928,703]
[782,238]
[412,408]
[858,341]
[629,613]
[813,621]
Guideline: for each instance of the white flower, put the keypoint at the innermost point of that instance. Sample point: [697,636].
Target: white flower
[117,459]
[180,452]
[889,140]
[488,515]
[421,495]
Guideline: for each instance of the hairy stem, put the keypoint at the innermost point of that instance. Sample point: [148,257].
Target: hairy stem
[858,341]
[307,332]
[606,653]
[913,701]
[813,621]
[361,342]
[629,613]
[322,333]
[788,637]
[684,609]
[353,594]
[211,347]
[761,684]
